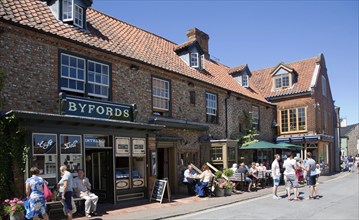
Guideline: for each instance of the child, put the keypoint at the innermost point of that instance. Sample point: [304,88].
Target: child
[317,172]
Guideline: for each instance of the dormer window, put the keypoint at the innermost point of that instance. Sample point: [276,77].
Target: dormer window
[73,11]
[245,80]
[67,10]
[281,80]
[283,77]
[194,61]
[78,18]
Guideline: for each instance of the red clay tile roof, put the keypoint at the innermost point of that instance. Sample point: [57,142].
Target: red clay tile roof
[184,45]
[237,69]
[110,34]
[262,78]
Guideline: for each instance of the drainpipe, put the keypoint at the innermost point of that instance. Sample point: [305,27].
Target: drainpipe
[226,111]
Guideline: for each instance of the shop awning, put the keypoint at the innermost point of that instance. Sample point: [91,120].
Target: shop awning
[289,146]
[259,145]
[267,145]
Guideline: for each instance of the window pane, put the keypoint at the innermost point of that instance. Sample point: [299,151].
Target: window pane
[80,74]
[91,77]
[72,72]
[64,71]
[72,84]
[293,119]
[160,93]
[284,116]
[301,119]
[91,66]
[285,80]
[73,62]
[80,85]
[65,59]
[81,64]
[90,88]
[64,83]
[278,82]
[211,104]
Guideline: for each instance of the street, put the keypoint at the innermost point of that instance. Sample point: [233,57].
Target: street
[339,201]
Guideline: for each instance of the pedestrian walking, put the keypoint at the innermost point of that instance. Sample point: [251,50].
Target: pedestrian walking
[66,189]
[291,180]
[276,175]
[311,176]
[35,195]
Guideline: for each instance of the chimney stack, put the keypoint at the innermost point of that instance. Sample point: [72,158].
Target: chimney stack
[201,37]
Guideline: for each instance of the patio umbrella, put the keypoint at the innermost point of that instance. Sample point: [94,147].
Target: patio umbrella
[259,145]
[284,145]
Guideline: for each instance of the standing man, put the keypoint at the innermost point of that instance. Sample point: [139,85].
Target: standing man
[311,176]
[66,185]
[82,187]
[190,182]
[276,175]
[291,180]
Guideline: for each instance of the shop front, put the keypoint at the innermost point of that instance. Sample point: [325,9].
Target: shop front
[113,153]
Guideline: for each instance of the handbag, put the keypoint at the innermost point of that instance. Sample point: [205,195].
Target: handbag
[47,192]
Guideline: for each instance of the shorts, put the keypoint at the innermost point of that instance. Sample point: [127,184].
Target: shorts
[291,181]
[276,181]
[311,180]
[67,201]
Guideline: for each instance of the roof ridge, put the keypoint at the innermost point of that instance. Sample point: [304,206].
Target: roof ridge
[110,16]
[282,62]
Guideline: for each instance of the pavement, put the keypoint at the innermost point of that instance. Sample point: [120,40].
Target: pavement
[143,209]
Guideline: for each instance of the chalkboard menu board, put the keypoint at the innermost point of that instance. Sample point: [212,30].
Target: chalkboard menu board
[158,191]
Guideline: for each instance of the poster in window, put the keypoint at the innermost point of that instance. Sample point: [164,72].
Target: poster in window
[44,143]
[138,147]
[70,144]
[122,146]
[73,162]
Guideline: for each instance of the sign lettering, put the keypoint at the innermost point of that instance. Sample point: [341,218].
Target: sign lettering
[96,109]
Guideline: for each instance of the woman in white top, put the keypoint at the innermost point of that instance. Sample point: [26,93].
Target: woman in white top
[204,179]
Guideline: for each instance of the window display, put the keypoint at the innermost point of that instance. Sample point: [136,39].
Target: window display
[122,146]
[71,150]
[138,172]
[138,147]
[44,157]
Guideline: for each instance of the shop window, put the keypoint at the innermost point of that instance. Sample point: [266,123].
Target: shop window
[231,154]
[216,153]
[130,163]
[44,155]
[71,152]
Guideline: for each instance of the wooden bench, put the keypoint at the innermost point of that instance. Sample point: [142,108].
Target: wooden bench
[239,178]
[56,206]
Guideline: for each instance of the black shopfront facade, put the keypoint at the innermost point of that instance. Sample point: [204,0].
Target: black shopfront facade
[113,153]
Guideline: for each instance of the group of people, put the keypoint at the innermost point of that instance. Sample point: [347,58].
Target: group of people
[68,186]
[196,184]
[291,167]
[251,173]
[350,163]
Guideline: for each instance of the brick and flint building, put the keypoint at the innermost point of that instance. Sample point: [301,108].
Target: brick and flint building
[129,106]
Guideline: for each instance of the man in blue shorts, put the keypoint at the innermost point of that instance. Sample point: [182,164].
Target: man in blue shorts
[311,176]
[275,175]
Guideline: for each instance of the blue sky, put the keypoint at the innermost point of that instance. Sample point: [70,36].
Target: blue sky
[261,34]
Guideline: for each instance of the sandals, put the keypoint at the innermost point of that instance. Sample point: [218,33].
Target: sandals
[296,199]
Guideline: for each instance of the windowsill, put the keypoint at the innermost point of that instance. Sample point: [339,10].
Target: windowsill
[294,132]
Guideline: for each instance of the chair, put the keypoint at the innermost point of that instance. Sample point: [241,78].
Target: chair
[239,178]
[261,178]
[208,189]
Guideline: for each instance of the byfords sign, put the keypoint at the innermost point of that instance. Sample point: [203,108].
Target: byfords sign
[96,109]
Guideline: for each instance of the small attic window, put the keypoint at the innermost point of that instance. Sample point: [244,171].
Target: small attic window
[245,80]
[281,80]
[72,12]
[194,61]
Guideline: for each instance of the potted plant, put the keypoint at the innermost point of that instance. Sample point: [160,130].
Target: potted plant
[219,189]
[228,188]
[14,208]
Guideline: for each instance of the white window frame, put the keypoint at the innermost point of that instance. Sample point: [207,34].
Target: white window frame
[85,81]
[281,76]
[245,79]
[211,104]
[103,86]
[164,93]
[194,60]
[78,15]
[67,12]
[72,78]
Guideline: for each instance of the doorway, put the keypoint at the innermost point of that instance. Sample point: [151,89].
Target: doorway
[99,171]
[166,160]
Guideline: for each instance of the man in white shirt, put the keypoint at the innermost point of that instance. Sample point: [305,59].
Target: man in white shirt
[82,187]
[190,182]
[291,180]
[275,175]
